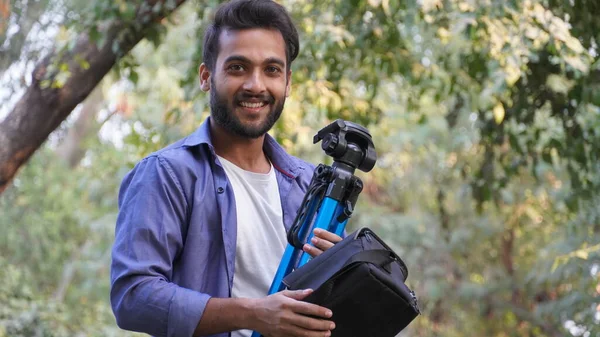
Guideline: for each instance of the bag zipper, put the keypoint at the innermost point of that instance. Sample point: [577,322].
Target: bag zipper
[414,302]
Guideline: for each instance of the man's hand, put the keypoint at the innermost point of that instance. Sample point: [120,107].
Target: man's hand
[321,241]
[284,315]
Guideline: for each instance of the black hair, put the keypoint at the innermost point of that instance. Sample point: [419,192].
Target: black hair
[248,14]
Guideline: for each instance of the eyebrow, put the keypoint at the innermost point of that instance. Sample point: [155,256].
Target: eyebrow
[243,59]
[275,60]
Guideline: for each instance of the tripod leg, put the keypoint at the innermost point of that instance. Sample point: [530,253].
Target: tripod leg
[326,219]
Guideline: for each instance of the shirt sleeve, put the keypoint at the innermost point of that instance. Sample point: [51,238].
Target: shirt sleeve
[149,236]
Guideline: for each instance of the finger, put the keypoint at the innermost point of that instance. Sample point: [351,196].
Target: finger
[310,309]
[310,323]
[295,331]
[297,294]
[327,235]
[321,243]
[312,251]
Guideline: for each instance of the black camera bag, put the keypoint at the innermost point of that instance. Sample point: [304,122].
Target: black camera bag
[362,281]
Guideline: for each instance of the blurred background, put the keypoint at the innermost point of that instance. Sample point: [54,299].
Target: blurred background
[485,116]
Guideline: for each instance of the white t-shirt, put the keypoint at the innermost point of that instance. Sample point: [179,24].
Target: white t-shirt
[261,236]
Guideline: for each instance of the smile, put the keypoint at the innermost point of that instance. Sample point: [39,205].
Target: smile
[253,105]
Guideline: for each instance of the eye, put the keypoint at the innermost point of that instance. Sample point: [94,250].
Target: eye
[235,68]
[273,70]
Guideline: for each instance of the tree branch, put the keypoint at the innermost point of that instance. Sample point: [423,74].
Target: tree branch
[69,271]
[42,108]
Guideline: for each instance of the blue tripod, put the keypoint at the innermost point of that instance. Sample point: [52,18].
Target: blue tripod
[332,193]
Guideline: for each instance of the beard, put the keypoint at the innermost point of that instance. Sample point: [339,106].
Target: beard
[224,116]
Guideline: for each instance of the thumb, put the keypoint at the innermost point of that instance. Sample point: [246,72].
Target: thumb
[297,294]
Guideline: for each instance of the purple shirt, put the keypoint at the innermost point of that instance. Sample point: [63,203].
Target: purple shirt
[175,236]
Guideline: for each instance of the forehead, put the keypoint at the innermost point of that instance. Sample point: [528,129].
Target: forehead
[256,44]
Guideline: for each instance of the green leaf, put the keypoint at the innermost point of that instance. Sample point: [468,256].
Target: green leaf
[498,113]
[547,157]
[559,84]
[133,76]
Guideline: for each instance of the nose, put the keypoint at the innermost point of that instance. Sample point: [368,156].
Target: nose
[254,83]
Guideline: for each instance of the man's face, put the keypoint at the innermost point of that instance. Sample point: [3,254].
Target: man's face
[249,83]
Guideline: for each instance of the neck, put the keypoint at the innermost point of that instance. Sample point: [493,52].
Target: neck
[246,153]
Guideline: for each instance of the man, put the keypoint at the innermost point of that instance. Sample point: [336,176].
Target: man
[202,222]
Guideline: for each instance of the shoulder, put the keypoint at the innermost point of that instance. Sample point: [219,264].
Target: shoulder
[178,163]
[289,165]
[305,170]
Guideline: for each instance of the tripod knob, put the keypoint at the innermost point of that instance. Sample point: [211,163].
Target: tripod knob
[333,146]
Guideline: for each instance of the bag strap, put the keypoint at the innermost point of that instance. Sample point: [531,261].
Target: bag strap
[367,232]
[379,257]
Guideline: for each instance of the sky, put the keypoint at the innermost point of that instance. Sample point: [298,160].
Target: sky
[18,75]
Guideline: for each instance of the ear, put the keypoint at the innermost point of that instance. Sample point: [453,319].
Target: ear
[204,75]
[288,86]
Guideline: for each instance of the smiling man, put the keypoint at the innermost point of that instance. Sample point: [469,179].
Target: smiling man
[249,85]
[202,223]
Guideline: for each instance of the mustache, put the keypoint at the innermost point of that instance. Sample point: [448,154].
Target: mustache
[243,96]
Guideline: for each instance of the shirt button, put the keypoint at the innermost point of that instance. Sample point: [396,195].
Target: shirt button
[220,190]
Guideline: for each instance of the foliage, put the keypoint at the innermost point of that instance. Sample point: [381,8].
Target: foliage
[485,118]
[56,248]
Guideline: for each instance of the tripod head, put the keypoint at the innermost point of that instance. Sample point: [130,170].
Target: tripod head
[349,144]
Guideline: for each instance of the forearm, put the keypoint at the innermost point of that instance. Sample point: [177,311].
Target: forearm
[224,315]
[156,307]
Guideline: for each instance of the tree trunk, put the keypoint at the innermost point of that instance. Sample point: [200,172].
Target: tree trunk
[41,109]
[71,149]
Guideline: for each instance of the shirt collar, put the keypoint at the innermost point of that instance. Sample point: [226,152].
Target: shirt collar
[282,161]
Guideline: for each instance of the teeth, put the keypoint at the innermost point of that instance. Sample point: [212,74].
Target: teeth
[252,105]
